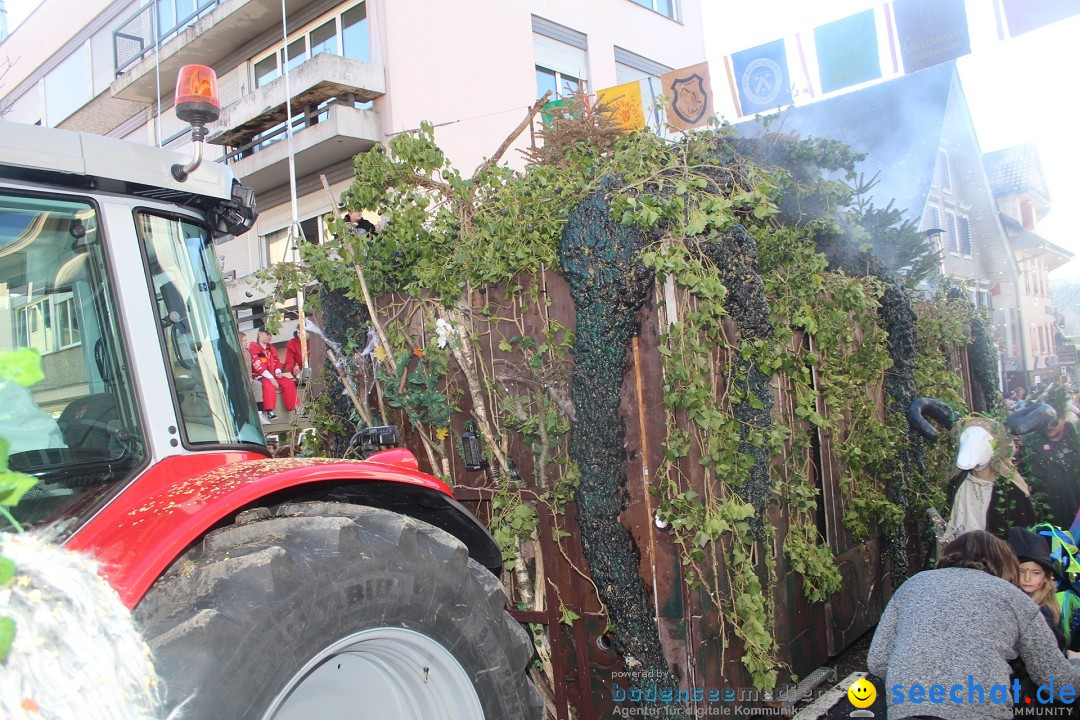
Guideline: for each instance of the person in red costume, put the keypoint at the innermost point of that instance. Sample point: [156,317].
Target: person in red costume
[266,368]
[294,359]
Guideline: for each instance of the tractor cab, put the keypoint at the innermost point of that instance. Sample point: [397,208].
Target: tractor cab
[116,285]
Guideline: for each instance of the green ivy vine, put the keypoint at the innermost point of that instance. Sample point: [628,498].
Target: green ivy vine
[735,229]
[22,367]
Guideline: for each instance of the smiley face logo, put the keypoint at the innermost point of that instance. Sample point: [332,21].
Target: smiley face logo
[862,693]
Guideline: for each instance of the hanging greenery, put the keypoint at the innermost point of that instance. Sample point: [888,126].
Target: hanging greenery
[757,262]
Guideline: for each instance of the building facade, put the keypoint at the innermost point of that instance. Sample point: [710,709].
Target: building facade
[358,72]
[1023,199]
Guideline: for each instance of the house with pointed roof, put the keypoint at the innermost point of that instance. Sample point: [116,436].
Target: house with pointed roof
[919,140]
[1023,198]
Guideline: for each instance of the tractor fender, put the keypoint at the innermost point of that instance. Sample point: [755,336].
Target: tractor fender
[177,500]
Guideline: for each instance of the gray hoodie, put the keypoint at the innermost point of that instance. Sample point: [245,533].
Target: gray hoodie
[953,632]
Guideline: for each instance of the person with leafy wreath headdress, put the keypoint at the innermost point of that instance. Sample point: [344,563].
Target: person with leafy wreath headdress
[987,492]
[1050,461]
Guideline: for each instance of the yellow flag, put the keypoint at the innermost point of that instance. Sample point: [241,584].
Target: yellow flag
[689,96]
[625,101]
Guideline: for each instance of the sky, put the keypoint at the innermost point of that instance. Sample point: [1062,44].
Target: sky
[1019,90]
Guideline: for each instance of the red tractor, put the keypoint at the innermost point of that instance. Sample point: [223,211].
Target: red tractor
[267,588]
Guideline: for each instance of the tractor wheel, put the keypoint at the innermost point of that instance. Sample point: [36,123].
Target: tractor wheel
[327,610]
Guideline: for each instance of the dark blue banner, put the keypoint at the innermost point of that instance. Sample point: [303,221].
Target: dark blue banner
[1025,15]
[847,51]
[930,32]
[761,75]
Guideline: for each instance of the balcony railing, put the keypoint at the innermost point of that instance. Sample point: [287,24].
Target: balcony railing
[329,133]
[314,82]
[136,37]
[308,118]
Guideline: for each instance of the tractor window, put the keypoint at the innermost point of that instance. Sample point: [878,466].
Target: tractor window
[210,373]
[77,429]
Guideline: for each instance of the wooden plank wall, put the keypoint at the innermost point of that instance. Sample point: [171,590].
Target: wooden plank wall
[689,627]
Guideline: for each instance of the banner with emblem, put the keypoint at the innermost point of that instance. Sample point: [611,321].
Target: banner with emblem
[625,103]
[847,51]
[931,32]
[761,77]
[689,96]
[1025,15]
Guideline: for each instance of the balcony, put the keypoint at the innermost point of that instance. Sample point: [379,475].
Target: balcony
[332,133]
[206,34]
[311,83]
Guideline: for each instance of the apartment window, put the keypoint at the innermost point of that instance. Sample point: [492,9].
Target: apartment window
[33,323]
[560,84]
[296,52]
[324,39]
[561,58]
[664,7]
[950,233]
[67,324]
[354,33]
[266,70]
[276,245]
[343,34]
[312,229]
[964,232]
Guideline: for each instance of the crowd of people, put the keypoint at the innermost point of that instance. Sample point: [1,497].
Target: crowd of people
[993,631]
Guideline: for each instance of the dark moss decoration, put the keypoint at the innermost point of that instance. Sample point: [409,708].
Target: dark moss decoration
[982,353]
[342,317]
[609,285]
[735,257]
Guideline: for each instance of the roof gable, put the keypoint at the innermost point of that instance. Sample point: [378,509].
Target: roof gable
[897,124]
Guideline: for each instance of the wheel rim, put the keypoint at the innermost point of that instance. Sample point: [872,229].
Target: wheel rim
[389,673]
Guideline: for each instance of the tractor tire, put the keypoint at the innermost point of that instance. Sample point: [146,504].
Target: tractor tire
[324,610]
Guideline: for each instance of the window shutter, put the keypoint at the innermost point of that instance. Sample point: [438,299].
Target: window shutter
[950,230]
[965,235]
[625,74]
[310,205]
[229,85]
[642,65]
[555,55]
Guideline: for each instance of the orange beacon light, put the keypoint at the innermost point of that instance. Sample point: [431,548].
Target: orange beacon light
[196,104]
[197,95]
